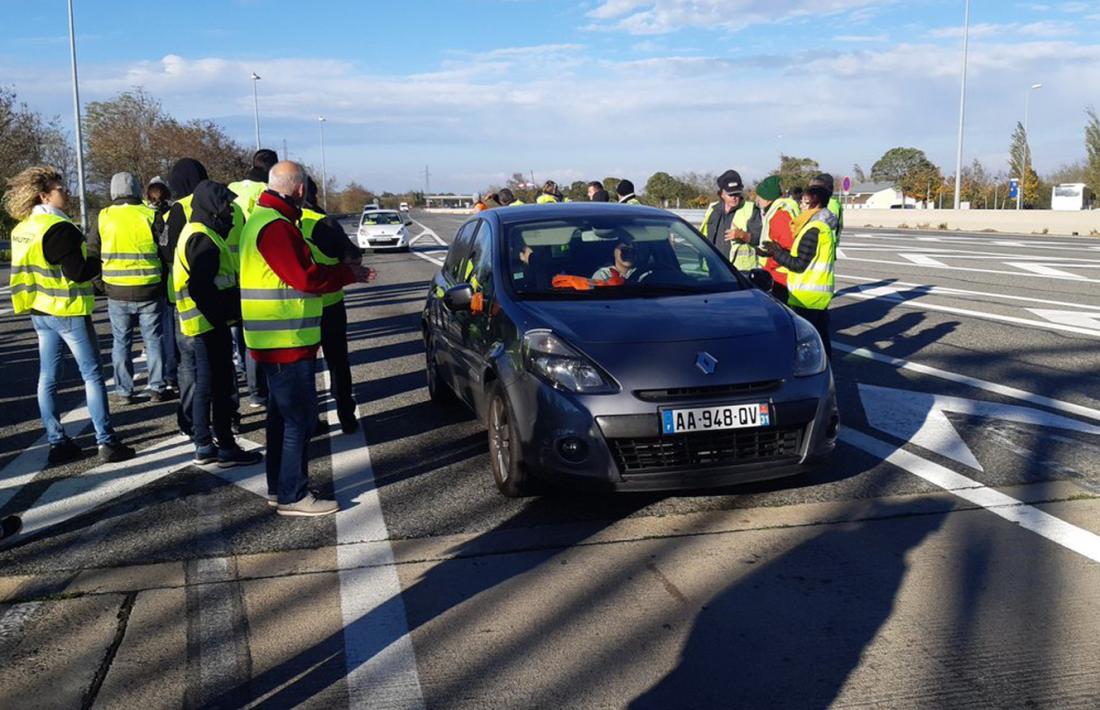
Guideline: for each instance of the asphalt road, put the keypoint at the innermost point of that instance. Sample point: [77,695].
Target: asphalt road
[949,556]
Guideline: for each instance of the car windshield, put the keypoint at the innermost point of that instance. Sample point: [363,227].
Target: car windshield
[613,256]
[372,218]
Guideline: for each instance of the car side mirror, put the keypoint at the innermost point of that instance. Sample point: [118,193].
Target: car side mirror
[458,298]
[761,279]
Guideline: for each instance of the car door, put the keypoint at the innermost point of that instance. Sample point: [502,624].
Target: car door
[476,326]
[446,329]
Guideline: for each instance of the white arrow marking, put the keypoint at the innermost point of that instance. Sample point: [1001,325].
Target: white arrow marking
[923,260]
[1044,270]
[920,418]
[1074,318]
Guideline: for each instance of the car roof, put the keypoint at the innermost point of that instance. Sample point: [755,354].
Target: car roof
[531,213]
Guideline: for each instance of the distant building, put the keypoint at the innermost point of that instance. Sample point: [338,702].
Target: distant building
[873,196]
[464,202]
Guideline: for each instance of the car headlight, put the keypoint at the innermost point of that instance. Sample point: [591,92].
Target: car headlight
[550,358]
[809,353]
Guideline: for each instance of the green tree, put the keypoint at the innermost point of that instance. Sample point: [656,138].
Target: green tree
[1092,150]
[910,170]
[796,172]
[661,187]
[1069,172]
[1019,163]
[857,174]
[609,184]
[26,139]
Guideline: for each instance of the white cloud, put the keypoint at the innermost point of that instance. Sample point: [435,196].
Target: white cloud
[644,17]
[567,111]
[861,38]
[1044,28]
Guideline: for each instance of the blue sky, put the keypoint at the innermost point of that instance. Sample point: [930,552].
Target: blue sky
[574,90]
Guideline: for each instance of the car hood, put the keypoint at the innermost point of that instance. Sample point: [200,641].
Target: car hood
[656,342]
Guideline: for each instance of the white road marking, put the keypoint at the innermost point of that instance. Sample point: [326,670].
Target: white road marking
[910,264]
[891,294]
[381,661]
[933,290]
[976,240]
[1026,516]
[25,467]
[994,387]
[920,418]
[922,260]
[1044,270]
[1075,318]
[428,232]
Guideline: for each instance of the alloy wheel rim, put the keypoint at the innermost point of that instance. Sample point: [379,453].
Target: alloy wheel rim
[501,439]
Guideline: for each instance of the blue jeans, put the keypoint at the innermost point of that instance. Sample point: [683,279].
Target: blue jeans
[186,374]
[148,314]
[291,417]
[257,388]
[168,339]
[79,337]
[215,383]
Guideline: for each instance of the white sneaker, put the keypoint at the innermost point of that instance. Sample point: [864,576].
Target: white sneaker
[310,506]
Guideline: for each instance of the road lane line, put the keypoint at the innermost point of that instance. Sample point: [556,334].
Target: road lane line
[1025,274]
[888,293]
[1026,516]
[425,257]
[934,290]
[995,388]
[381,661]
[26,467]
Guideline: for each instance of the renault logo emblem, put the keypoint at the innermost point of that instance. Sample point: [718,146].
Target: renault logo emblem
[706,363]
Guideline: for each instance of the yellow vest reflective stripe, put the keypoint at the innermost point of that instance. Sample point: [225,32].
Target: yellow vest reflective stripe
[783,203]
[126,246]
[233,239]
[185,205]
[38,285]
[192,321]
[309,220]
[814,287]
[275,315]
[247,193]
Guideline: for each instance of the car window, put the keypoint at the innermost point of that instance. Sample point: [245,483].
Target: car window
[459,249]
[482,258]
[374,218]
[613,256]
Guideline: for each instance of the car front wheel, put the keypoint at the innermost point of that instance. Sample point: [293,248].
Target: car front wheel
[504,457]
[438,390]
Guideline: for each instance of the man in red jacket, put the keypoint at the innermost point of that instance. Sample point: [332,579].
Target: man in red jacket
[277,262]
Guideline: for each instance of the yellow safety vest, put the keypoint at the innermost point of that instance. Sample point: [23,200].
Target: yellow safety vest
[233,239]
[516,203]
[742,256]
[814,287]
[192,321]
[632,201]
[38,285]
[837,208]
[126,246]
[309,220]
[185,205]
[783,203]
[545,199]
[275,315]
[247,194]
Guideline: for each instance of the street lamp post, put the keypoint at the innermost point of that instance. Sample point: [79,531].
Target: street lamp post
[79,131]
[324,170]
[256,107]
[1027,144]
[962,108]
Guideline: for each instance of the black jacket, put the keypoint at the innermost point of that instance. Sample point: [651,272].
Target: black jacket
[721,221]
[135,294]
[186,174]
[328,234]
[211,207]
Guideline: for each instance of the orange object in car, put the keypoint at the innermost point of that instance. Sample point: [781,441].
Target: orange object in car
[577,283]
[477,303]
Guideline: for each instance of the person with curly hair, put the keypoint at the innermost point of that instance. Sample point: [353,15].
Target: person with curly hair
[51,276]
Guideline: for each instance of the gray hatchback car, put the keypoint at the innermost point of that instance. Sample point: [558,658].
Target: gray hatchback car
[614,346]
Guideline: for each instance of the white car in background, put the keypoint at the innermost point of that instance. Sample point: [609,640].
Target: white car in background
[403,207]
[382,229]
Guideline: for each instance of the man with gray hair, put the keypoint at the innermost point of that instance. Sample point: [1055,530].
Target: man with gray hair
[133,279]
[281,306]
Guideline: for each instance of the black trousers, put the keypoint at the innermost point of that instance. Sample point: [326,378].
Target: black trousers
[215,386]
[334,343]
[820,321]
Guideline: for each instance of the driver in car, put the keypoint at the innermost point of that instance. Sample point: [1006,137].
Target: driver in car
[623,266]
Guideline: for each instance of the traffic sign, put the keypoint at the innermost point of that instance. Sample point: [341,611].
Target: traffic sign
[847,184]
[1013,188]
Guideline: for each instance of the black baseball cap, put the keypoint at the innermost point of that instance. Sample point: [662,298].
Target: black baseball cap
[730,182]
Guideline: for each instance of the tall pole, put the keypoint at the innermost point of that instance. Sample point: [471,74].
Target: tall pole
[256,107]
[324,169]
[962,109]
[427,180]
[79,130]
[1027,143]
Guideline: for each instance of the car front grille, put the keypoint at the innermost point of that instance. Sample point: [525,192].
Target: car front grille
[705,450]
[687,393]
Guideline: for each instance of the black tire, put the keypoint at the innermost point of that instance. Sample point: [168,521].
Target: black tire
[504,460]
[438,390]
